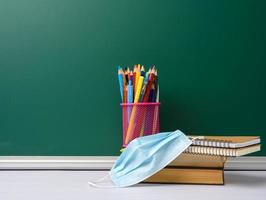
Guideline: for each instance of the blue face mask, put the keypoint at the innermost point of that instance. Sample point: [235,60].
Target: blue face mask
[145,156]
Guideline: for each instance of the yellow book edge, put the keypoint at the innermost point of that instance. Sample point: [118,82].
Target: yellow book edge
[188,176]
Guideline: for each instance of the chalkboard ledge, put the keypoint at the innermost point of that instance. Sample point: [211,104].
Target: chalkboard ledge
[103,163]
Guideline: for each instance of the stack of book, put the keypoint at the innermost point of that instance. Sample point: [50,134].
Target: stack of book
[203,162]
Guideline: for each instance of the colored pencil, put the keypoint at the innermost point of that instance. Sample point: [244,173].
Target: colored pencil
[135,87]
[121,83]
[137,76]
[158,95]
[142,71]
[130,91]
[134,110]
[144,88]
[150,82]
[126,75]
[155,126]
[125,94]
[134,79]
[152,94]
[130,98]
[131,77]
[156,85]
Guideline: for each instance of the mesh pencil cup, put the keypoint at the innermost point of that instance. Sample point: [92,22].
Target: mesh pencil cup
[139,119]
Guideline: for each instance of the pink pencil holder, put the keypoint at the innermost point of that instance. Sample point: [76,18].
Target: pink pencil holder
[139,119]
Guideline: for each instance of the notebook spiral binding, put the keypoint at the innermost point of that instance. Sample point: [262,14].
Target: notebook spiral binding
[211,143]
[211,151]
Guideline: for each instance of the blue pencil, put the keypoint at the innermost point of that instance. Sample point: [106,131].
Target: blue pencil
[129,97]
[130,92]
[121,82]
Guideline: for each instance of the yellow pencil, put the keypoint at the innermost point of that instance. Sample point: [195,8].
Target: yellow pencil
[137,75]
[139,87]
[134,109]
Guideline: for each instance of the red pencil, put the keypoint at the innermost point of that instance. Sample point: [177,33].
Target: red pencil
[134,80]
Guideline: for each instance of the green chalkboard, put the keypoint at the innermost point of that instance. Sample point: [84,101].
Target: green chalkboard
[58,81]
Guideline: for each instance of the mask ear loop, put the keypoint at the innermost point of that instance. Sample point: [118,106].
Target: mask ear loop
[96,185]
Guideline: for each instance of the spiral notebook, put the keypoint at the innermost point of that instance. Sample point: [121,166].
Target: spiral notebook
[225,141]
[229,152]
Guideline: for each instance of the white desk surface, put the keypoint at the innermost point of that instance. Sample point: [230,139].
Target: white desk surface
[66,185]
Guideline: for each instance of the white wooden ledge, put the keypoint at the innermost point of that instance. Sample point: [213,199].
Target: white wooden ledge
[103,163]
